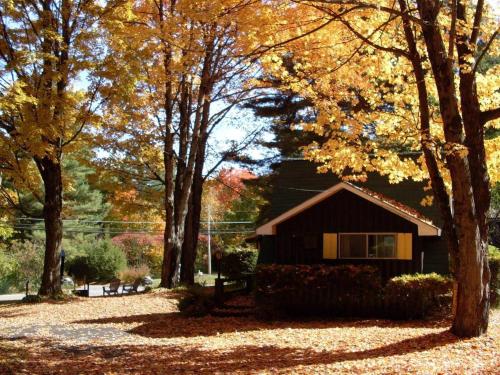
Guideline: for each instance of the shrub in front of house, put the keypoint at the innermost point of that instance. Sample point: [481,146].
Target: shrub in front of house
[343,290]
[415,296]
[238,260]
[494,262]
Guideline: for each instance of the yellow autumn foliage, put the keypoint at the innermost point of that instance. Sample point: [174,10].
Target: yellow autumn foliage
[364,94]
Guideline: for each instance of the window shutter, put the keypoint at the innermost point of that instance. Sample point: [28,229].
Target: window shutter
[329,245]
[404,249]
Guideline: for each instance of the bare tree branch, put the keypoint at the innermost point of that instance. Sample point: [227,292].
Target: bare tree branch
[485,49]
[490,115]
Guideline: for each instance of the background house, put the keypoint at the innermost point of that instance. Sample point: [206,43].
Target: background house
[316,218]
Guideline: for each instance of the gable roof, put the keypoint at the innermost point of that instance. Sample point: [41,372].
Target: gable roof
[296,181]
[425,226]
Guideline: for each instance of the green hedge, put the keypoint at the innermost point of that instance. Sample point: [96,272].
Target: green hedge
[414,296]
[100,261]
[237,261]
[344,290]
[276,277]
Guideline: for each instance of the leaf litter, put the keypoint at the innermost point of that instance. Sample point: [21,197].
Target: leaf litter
[145,334]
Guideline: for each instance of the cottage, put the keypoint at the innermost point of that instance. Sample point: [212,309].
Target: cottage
[317,218]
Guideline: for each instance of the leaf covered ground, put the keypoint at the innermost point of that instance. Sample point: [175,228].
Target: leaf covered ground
[144,334]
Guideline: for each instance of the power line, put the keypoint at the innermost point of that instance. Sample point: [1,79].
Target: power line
[74,228]
[124,221]
[90,221]
[94,231]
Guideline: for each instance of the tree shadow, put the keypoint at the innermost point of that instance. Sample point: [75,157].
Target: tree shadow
[171,325]
[173,359]
[70,299]
[11,314]
[172,295]
[12,309]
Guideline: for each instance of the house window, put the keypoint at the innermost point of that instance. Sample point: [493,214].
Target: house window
[367,245]
[353,245]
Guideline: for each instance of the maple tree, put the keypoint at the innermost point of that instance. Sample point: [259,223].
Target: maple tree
[46,47]
[174,59]
[227,186]
[409,71]
[231,199]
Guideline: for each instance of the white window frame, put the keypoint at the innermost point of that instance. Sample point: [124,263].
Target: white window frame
[366,249]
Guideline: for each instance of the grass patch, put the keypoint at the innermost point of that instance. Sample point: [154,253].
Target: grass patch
[205,279]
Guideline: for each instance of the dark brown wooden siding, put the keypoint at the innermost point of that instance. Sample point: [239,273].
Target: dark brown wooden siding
[299,240]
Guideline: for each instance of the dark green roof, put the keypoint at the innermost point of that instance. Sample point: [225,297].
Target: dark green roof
[297,180]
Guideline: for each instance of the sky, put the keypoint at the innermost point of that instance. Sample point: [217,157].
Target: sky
[236,128]
[239,123]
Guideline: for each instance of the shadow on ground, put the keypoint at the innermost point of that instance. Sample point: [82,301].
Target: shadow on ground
[50,357]
[171,325]
[6,314]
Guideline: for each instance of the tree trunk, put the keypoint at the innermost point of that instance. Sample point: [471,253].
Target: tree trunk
[188,248]
[194,215]
[168,157]
[192,228]
[177,198]
[169,233]
[51,174]
[172,262]
[469,198]
[437,182]
[472,278]
[167,256]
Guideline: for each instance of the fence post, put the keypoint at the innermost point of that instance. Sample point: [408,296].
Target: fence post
[248,284]
[219,291]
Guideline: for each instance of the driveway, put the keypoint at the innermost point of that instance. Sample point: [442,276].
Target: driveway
[11,297]
[95,291]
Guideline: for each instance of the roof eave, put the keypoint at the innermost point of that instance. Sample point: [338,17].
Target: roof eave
[424,228]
